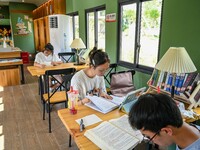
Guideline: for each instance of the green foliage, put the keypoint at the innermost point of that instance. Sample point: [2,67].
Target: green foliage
[129,17]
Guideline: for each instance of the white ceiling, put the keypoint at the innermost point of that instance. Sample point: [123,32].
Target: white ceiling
[36,2]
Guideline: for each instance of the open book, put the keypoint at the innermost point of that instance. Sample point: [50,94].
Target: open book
[101,104]
[104,105]
[115,134]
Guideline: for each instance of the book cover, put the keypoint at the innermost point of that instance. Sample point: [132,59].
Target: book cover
[164,80]
[160,79]
[154,76]
[169,83]
[111,135]
[180,83]
[190,78]
[156,79]
[177,79]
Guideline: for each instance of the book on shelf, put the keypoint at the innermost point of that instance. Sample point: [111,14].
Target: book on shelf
[180,83]
[115,134]
[188,81]
[192,85]
[195,97]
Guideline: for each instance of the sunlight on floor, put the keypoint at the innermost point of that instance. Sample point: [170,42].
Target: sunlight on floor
[1,104]
[2,142]
[1,137]
[1,89]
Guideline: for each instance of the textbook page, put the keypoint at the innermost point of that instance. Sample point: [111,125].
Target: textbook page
[117,100]
[100,104]
[109,137]
[123,124]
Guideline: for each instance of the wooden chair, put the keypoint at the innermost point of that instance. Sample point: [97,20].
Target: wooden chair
[57,96]
[66,56]
[121,83]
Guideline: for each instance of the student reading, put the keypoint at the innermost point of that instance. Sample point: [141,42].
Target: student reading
[48,58]
[91,80]
[159,119]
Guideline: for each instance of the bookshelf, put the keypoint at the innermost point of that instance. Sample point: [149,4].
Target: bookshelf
[185,85]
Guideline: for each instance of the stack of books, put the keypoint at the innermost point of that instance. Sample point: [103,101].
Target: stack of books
[185,83]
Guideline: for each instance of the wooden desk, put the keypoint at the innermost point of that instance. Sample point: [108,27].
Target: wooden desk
[36,71]
[10,68]
[73,128]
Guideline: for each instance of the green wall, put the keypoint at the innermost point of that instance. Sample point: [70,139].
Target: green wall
[24,42]
[180,28]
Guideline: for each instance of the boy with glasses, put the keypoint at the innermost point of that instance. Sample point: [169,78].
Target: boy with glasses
[159,120]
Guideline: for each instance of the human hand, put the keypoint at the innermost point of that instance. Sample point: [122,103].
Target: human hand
[42,65]
[105,95]
[83,101]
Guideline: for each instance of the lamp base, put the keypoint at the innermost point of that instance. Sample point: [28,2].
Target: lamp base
[80,63]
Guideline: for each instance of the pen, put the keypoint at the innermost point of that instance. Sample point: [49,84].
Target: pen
[82,126]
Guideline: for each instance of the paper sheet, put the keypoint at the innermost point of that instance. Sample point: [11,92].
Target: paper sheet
[89,120]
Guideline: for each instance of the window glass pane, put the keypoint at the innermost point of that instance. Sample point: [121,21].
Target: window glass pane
[90,37]
[76,21]
[128,23]
[71,29]
[101,29]
[150,30]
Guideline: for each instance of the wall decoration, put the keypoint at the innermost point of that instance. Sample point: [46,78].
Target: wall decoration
[111,17]
[22,29]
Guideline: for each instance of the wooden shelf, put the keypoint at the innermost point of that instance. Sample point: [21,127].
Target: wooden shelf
[50,7]
[176,97]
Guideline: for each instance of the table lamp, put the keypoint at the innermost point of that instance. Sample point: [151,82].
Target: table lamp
[176,60]
[77,44]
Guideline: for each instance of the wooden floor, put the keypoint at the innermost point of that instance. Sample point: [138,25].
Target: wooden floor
[21,124]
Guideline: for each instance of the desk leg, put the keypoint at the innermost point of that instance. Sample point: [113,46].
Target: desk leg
[41,88]
[22,74]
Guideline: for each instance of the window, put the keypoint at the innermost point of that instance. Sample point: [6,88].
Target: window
[74,25]
[139,33]
[96,27]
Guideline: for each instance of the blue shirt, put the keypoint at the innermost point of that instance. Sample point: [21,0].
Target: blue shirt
[193,146]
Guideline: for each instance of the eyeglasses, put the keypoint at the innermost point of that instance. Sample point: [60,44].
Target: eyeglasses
[147,139]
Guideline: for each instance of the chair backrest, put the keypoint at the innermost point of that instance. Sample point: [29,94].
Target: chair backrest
[66,56]
[121,83]
[65,74]
[112,67]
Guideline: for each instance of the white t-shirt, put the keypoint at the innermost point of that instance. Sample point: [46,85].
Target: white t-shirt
[81,82]
[42,59]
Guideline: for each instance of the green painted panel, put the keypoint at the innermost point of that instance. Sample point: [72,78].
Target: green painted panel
[181,27]
[19,12]
[5,22]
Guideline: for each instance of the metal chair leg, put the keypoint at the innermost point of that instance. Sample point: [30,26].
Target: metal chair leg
[43,110]
[49,119]
[70,140]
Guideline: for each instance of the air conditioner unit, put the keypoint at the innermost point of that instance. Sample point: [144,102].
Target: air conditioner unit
[60,33]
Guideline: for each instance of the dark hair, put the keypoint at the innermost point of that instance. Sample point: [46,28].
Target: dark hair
[154,112]
[48,46]
[98,57]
